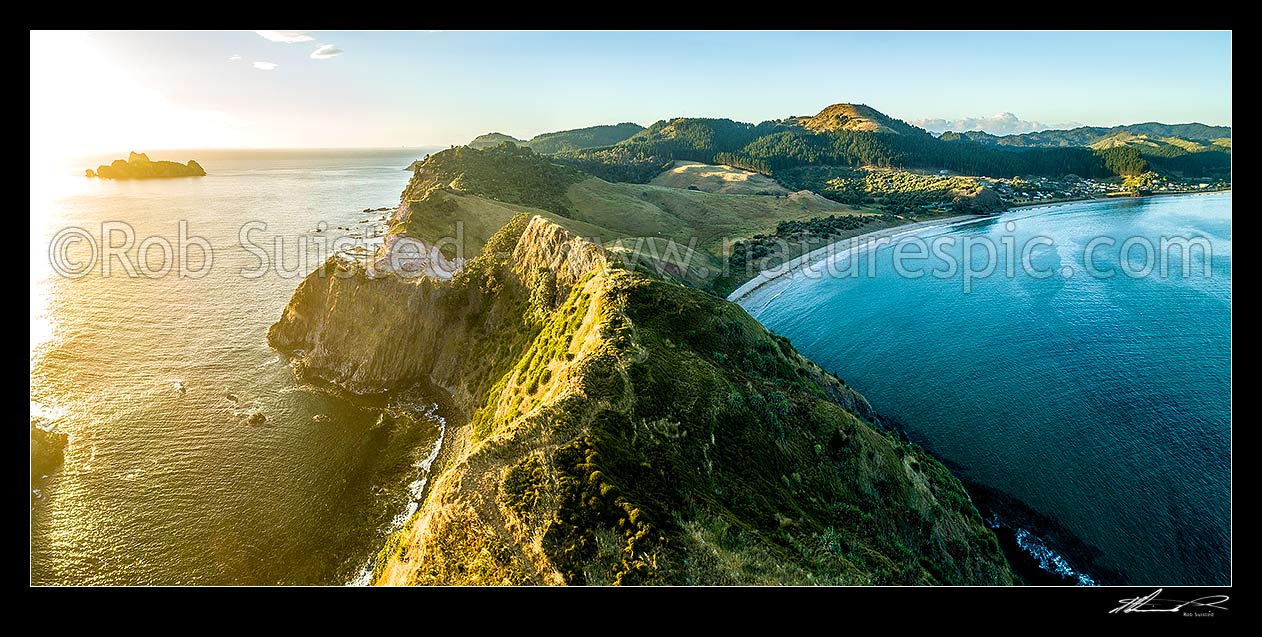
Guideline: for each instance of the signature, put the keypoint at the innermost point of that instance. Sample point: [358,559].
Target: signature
[1151,604]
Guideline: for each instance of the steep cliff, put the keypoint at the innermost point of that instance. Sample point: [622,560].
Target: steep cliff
[621,429]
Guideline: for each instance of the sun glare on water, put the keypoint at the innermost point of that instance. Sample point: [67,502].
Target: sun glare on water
[84,103]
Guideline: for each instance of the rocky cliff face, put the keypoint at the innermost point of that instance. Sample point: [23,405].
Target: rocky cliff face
[620,429]
[372,333]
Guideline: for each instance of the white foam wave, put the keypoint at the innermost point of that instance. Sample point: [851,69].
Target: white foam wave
[1050,560]
[416,489]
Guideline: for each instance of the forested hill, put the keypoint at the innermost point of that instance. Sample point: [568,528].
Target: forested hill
[592,136]
[491,140]
[565,140]
[858,135]
[1190,150]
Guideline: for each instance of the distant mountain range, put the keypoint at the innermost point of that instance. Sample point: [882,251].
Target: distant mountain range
[1091,135]
[855,135]
[997,124]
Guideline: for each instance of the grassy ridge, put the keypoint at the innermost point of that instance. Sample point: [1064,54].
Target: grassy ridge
[507,173]
[627,430]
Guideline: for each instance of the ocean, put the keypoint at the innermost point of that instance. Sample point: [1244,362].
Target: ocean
[1091,415]
[154,378]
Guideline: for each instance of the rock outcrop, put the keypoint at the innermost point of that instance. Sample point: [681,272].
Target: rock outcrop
[47,448]
[138,166]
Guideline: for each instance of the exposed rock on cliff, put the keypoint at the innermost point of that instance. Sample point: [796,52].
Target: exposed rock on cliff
[622,429]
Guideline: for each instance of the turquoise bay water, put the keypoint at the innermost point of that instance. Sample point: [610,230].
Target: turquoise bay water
[160,487]
[1104,404]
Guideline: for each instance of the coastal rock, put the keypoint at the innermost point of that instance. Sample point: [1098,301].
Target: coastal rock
[47,449]
[138,166]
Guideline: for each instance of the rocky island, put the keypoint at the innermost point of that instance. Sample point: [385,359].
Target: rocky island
[139,166]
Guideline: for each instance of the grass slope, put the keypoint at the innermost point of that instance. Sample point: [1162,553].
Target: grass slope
[726,180]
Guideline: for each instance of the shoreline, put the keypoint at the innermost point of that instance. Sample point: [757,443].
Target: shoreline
[1060,202]
[814,257]
[818,255]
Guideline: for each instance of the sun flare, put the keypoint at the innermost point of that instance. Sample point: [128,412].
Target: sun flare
[83,102]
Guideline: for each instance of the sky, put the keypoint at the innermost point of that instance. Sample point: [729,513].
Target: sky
[112,91]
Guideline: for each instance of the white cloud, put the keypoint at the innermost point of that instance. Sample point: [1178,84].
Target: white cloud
[266,66]
[288,37]
[1000,124]
[234,58]
[326,51]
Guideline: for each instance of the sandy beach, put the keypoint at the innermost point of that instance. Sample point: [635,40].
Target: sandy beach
[789,269]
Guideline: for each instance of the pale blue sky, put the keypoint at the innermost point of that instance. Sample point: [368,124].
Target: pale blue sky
[422,88]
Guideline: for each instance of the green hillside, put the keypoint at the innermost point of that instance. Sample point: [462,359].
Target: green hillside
[677,232]
[1191,150]
[506,172]
[579,138]
[839,135]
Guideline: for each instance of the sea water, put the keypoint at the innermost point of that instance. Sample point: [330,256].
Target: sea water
[1101,402]
[165,481]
